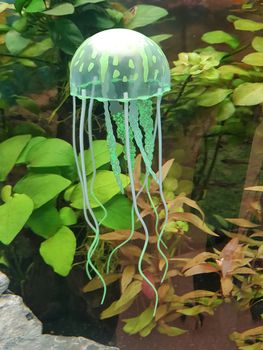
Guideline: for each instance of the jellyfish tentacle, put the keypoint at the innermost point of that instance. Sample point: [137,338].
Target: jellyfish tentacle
[85,193]
[146,242]
[160,175]
[115,164]
[134,123]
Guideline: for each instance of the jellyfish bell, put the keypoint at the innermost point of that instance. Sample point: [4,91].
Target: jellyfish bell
[126,71]
[119,61]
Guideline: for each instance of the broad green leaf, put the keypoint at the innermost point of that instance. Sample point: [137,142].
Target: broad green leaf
[19,4]
[51,153]
[95,283]
[148,329]
[146,14]
[10,151]
[35,6]
[220,37]
[6,193]
[45,221]
[66,35]
[247,24]
[254,59]
[228,71]
[13,216]
[41,188]
[61,10]
[124,302]
[225,110]
[105,187]
[59,250]
[23,156]
[68,216]
[212,96]
[101,154]
[161,37]
[248,94]
[171,331]
[37,49]
[136,324]
[118,213]
[83,2]
[257,43]
[20,24]
[15,42]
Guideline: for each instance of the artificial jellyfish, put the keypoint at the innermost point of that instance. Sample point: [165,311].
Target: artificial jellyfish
[127,72]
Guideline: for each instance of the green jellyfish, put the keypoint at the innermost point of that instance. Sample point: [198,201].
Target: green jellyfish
[126,71]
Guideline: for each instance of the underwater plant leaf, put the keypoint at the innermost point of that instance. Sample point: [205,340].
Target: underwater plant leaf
[195,310]
[23,156]
[60,10]
[50,153]
[254,188]
[199,259]
[220,37]
[138,323]
[127,276]
[142,15]
[254,59]
[243,223]
[118,213]
[161,37]
[45,221]
[35,6]
[58,251]
[13,216]
[10,150]
[41,188]
[257,43]
[202,268]
[68,216]
[248,94]
[15,42]
[105,188]
[124,302]
[247,24]
[146,288]
[83,2]
[225,110]
[123,235]
[161,311]
[212,96]
[226,285]
[163,290]
[95,283]
[101,154]
[171,331]
[37,49]
[148,329]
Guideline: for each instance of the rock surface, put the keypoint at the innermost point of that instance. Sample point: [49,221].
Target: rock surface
[21,330]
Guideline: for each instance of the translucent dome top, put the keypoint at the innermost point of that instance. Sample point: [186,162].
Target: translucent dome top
[118,61]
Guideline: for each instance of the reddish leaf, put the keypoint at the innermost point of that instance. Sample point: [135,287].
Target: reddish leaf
[146,288]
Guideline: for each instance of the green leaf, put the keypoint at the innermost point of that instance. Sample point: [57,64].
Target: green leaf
[105,187]
[37,49]
[146,14]
[220,37]
[118,213]
[20,24]
[101,154]
[45,221]
[195,310]
[136,324]
[225,110]
[51,153]
[35,6]
[15,42]
[6,193]
[212,96]
[61,10]
[254,59]
[13,216]
[59,250]
[19,4]
[83,2]
[68,216]
[125,300]
[257,43]
[248,94]
[9,152]
[23,156]
[228,71]
[41,188]
[247,24]
[171,331]
[161,37]
[66,35]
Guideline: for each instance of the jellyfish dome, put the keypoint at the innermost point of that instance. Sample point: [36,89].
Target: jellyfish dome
[119,61]
[127,72]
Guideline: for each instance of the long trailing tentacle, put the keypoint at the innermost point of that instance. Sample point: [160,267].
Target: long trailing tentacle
[85,190]
[115,164]
[146,242]
[160,173]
